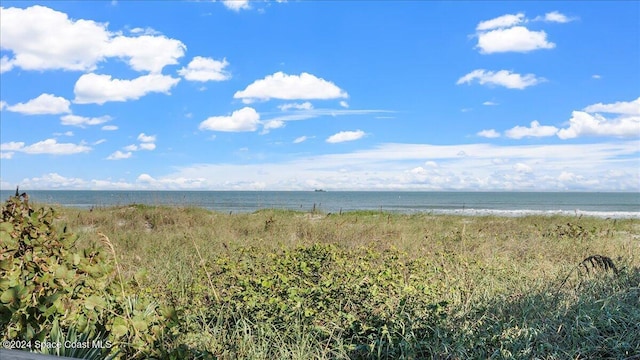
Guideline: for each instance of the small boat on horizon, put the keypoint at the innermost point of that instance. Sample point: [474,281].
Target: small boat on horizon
[319,190]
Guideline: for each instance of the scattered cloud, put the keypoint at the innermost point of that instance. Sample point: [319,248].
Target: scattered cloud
[585,124]
[245,119]
[146,53]
[590,121]
[620,107]
[147,146]
[535,130]
[596,76]
[48,146]
[343,136]
[314,113]
[389,166]
[45,104]
[507,33]
[237,5]
[290,87]
[5,64]
[490,133]
[514,39]
[41,38]
[146,138]
[99,89]
[144,31]
[501,78]
[51,146]
[500,22]
[147,142]
[119,155]
[554,16]
[81,121]
[44,39]
[344,104]
[7,150]
[296,106]
[490,103]
[205,69]
[170,183]
[300,139]
[596,166]
[109,128]
[12,146]
[270,125]
[66,133]
[53,181]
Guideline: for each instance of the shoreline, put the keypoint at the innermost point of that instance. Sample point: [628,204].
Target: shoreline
[473,212]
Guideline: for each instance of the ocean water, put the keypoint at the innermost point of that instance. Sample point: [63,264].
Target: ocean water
[609,204]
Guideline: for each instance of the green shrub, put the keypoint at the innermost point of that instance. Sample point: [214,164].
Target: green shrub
[45,277]
[51,290]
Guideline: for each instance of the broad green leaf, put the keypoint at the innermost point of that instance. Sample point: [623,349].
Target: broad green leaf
[95,301]
[9,296]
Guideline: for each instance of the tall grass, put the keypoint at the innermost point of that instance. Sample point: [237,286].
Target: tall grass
[292,285]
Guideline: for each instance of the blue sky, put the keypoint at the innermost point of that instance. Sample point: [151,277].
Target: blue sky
[339,95]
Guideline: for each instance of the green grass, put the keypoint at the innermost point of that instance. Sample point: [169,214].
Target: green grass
[293,285]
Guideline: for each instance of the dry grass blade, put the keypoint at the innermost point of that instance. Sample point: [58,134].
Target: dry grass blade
[203,263]
[593,262]
[105,240]
[599,262]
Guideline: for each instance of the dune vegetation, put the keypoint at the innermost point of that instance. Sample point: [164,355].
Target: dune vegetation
[171,282]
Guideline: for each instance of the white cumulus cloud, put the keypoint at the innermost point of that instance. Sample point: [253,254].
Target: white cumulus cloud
[554,16]
[514,39]
[236,5]
[45,104]
[290,87]
[41,38]
[620,107]
[146,53]
[205,69]
[535,130]
[147,146]
[490,133]
[508,33]
[503,21]
[119,155]
[245,119]
[585,124]
[99,89]
[12,146]
[82,121]
[48,146]
[146,138]
[504,78]
[343,136]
